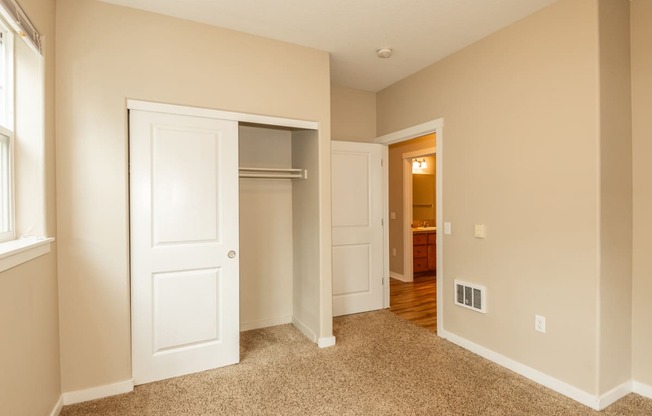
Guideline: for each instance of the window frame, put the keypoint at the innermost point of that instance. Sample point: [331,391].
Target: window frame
[7,177]
[16,249]
[7,229]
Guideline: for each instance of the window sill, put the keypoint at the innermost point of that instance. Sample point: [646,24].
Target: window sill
[15,252]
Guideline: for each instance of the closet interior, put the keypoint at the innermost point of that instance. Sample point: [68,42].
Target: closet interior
[279,228]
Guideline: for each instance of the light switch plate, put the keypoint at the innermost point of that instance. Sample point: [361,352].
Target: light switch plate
[479,231]
[447,228]
[392,215]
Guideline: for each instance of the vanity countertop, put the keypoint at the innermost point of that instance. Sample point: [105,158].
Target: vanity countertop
[423,230]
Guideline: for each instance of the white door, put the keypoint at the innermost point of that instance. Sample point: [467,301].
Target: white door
[184,241]
[357,195]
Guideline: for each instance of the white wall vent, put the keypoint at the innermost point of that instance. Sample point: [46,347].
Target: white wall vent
[471,296]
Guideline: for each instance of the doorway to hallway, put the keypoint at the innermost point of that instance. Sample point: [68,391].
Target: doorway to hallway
[415,296]
[415,301]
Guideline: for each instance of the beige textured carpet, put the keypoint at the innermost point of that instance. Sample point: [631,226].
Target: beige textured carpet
[381,365]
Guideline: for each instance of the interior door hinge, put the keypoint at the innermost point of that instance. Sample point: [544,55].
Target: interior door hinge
[382,221]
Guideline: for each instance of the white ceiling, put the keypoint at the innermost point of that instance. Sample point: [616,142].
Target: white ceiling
[420,32]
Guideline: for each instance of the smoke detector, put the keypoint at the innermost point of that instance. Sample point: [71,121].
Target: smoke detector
[384,53]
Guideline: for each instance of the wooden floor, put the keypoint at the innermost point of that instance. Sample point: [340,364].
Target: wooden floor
[415,301]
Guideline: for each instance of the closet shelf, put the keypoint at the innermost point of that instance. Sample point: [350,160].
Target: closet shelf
[273,173]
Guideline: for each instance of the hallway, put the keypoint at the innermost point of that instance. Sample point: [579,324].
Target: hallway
[415,301]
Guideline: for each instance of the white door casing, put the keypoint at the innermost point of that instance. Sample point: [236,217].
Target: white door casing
[433,126]
[184,244]
[358,231]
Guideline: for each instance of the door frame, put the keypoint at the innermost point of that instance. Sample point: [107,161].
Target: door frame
[408,271]
[320,332]
[433,126]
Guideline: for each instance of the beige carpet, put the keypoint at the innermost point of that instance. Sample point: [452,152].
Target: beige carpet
[381,365]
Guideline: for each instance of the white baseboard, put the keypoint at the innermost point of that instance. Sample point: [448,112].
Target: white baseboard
[265,323]
[642,389]
[322,342]
[552,383]
[304,329]
[615,394]
[397,276]
[57,407]
[98,392]
[326,342]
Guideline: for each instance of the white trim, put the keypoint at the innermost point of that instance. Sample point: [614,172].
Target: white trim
[439,206]
[16,17]
[615,394]
[559,386]
[265,323]
[408,271]
[16,252]
[322,342]
[408,255]
[411,132]
[397,276]
[436,126]
[304,329]
[385,185]
[56,410]
[642,389]
[98,392]
[224,115]
[325,342]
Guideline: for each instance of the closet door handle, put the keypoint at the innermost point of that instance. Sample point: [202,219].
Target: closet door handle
[231,254]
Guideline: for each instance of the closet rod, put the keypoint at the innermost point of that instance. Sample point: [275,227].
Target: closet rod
[273,173]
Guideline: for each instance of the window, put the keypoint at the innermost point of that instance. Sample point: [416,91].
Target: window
[22,139]
[7,230]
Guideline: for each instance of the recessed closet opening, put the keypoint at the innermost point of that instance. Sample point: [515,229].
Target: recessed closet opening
[225,235]
[279,226]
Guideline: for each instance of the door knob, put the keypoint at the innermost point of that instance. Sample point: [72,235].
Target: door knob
[231,254]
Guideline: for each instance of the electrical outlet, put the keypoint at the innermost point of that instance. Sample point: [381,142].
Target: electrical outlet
[540,323]
[393,252]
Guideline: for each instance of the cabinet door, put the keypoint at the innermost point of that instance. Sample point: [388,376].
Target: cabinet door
[419,239]
[419,252]
[420,265]
[432,257]
[432,251]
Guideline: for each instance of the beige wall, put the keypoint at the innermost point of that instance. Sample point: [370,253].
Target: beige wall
[353,114]
[510,103]
[29,358]
[265,230]
[395,180]
[615,286]
[30,375]
[520,155]
[641,39]
[105,55]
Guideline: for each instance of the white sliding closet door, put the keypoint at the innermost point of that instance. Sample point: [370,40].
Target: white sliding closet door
[358,206]
[184,241]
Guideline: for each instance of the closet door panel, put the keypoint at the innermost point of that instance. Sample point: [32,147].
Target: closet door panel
[184,243]
[184,185]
